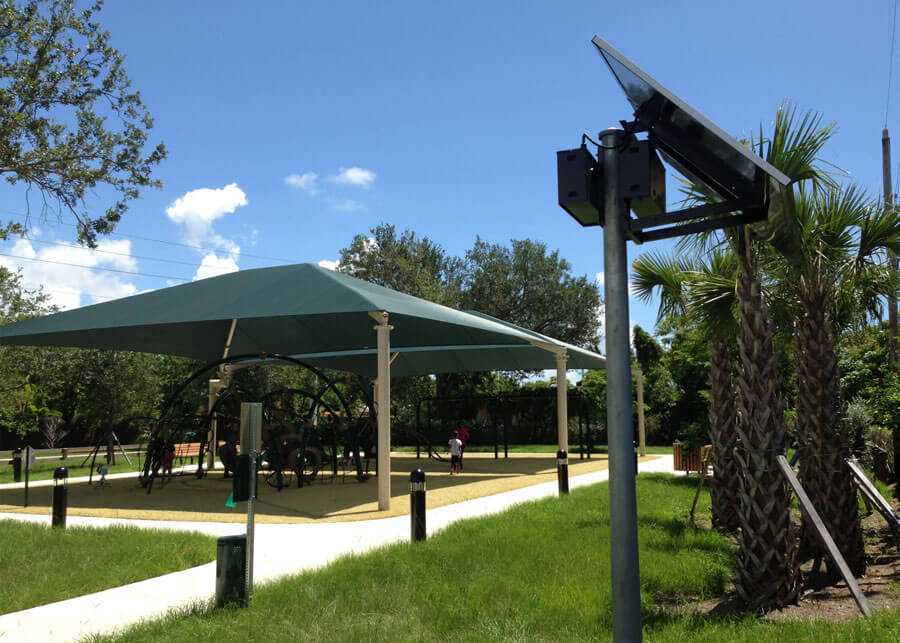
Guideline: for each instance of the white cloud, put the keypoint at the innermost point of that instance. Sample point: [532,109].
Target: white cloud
[213,265]
[601,280]
[355,176]
[66,272]
[329,265]
[306,182]
[347,205]
[198,209]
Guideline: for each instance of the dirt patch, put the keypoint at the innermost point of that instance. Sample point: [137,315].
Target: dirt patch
[822,600]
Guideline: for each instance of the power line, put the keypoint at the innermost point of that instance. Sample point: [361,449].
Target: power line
[122,254]
[168,243]
[78,265]
[79,293]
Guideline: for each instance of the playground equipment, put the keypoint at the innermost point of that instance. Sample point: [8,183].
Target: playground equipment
[525,417]
[295,443]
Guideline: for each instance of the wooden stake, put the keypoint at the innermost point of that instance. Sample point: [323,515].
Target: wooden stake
[833,552]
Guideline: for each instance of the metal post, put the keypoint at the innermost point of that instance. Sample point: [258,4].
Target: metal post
[417,505]
[27,471]
[562,471]
[562,402]
[626,591]
[383,410]
[60,496]
[251,413]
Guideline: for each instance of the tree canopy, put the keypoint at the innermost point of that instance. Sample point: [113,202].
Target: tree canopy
[69,120]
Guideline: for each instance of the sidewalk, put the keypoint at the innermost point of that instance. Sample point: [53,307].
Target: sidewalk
[280,550]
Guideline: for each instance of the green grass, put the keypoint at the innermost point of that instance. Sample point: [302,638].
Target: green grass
[538,572]
[41,565]
[43,469]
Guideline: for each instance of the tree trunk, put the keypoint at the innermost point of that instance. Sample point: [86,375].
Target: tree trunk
[767,572]
[722,420]
[824,474]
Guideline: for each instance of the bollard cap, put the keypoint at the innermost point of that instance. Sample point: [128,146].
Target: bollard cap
[562,453]
[417,475]
[60,473]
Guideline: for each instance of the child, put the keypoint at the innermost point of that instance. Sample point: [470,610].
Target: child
[102,469]
[455,448]
[168,460]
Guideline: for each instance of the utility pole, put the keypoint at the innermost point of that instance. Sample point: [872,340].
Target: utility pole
[892,258]
[892,261]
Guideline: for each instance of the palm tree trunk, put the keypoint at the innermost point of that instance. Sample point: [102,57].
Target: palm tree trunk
[722,420]
[767,572]
[824,473]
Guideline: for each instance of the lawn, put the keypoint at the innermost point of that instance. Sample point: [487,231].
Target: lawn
[43,469]
[41,565]
[538,572]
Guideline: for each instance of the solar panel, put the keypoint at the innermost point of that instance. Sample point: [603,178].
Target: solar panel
[690,142]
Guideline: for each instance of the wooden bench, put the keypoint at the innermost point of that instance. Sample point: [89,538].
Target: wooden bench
[188,450]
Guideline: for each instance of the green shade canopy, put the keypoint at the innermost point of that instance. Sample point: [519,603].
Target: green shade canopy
[301,310]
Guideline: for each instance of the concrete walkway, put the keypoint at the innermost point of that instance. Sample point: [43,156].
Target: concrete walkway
[280,550]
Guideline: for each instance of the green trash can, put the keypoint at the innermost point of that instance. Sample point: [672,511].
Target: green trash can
[231,568]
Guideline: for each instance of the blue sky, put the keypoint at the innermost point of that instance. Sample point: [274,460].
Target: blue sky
[293,126]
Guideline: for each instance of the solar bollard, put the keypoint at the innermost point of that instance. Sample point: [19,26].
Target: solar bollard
[417,505]
[562,470]
[16,463]
[60,496]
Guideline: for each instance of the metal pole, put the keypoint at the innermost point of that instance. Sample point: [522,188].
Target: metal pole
[251,412]
[892,258]
[383,411]
[562,402]
[626,591]
[27,470]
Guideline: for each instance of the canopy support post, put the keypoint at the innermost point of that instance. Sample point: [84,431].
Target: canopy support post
[642,437]
[562,401]
[214,387]
[383,408]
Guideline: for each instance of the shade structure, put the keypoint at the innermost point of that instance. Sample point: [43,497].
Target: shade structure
[296,309]
[327,318]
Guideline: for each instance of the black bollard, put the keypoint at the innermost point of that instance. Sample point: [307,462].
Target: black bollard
[562,470]
[417,505]
[16,463]
[60,496]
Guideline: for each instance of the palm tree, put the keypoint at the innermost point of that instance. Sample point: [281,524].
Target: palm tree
[702,292]
[767,573]
[836,278]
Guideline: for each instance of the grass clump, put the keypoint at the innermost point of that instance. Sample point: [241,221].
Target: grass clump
[41,565]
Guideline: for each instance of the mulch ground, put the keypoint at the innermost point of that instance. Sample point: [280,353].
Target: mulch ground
[823,599]
[327,500]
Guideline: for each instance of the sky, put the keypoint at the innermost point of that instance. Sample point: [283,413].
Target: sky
[293,126]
